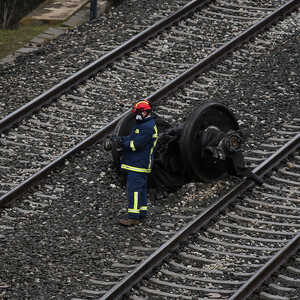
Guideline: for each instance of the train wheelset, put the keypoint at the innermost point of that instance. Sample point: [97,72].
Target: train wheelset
[206,147]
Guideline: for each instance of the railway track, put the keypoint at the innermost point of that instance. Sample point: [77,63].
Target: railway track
[53,131]
[171,112]
[224,256]
[283,283]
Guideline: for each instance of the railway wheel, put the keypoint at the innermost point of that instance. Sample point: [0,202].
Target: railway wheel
[201,126]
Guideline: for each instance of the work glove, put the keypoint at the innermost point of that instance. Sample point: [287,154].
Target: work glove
[117,141]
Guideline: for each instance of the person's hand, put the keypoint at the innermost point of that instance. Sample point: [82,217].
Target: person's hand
[117,140]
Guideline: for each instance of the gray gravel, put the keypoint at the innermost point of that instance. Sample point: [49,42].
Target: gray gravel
[55,250]
[34,73]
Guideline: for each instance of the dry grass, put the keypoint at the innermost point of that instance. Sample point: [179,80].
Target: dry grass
[11,40]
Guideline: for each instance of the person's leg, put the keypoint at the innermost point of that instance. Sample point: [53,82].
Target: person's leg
[134,184]
[133,201]
[137,197]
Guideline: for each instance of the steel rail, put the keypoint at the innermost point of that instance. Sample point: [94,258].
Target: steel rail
[173,85]
[224,50]
[85,73]
[167,248]
[13,194]
[267,270]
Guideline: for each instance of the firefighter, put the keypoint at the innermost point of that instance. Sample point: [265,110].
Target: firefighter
[137,160]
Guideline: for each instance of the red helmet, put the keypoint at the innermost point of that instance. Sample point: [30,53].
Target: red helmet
[140,106]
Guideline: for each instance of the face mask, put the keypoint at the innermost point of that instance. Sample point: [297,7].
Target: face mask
[138,117]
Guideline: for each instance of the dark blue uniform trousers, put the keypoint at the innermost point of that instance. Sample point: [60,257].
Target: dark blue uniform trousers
[137,194]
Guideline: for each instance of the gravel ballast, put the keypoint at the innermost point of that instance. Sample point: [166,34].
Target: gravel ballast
[55,250]
[32,74]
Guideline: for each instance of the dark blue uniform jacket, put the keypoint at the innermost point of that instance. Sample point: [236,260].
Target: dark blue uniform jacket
[139,146]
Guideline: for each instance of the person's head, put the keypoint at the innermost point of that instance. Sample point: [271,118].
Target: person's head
[142,108]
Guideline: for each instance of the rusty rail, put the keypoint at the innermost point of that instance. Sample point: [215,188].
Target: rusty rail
[173,85]
[166,249]
[266,271]
[224,50]
[98,65]
[12,195]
